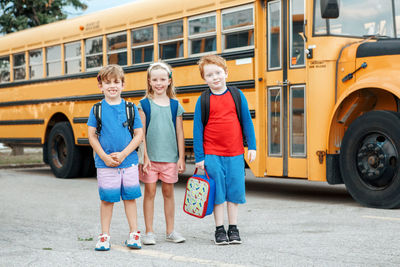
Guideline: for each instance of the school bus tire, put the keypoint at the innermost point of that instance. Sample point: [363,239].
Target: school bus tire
[369,159]
[64,156]
[88,168]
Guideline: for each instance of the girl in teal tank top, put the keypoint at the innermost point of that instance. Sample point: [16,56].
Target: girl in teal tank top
[163,150]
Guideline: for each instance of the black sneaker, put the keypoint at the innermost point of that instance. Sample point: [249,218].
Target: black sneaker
[220,237]
[234,237]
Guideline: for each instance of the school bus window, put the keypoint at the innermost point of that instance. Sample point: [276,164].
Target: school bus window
[360,18]
[274,122]
[237,28]
[4,69]
[202,34]
[53,61]
[142,45]
[19,67]
[73,62]
[297,122]
[274,35]
[320,24]
[296,31]
[170,36]
[35,64]
[116,49]
[94,53]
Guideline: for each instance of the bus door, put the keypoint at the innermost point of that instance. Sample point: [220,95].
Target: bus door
[286,89]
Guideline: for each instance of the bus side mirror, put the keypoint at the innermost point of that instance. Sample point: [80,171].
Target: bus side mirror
[329,9]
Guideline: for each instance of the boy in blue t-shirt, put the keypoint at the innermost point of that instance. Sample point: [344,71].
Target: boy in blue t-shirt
[116,159]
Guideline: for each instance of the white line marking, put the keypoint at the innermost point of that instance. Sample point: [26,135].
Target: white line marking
[382,218]
[163,255]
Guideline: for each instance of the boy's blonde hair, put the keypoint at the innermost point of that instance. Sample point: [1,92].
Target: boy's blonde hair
[211,59]
[160,66]
[111,71]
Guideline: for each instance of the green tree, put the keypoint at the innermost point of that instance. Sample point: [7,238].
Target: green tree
[21,14]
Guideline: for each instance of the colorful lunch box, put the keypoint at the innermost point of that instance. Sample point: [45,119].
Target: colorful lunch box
[199,195]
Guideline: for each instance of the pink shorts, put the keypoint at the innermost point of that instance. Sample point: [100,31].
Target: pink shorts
[165,171]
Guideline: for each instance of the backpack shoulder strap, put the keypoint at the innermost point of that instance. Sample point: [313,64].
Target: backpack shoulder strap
[205,106]
[97,114]
[173,103]
[130,115]
[238,101]
[145,103]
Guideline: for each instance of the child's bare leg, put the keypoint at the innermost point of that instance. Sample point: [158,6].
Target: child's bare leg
[169,206]
[148,205]
[219,214]
[106,209]
[232,213]
[233,232]
[131,214]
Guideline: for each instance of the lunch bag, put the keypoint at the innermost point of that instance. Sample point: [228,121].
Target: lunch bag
[199,195]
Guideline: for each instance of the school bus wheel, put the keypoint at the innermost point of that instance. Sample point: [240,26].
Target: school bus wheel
[64,157]
[369,159]
[88,168]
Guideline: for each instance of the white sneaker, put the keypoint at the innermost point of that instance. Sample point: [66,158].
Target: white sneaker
[103,244]
[149,239]
[134,240]
[175,237]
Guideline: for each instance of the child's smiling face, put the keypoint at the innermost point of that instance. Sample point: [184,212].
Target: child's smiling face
[112,88]
[159,81]
[215,77]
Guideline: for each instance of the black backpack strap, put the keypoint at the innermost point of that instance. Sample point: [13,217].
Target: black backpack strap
[205,106]
[97,115]
[238,101]
[130,115]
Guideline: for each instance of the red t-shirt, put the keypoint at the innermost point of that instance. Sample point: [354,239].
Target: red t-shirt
[223,133]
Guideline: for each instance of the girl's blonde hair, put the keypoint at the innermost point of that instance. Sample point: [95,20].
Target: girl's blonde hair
[160,66]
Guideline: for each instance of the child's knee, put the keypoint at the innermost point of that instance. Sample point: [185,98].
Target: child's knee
[168,191]
[150,193]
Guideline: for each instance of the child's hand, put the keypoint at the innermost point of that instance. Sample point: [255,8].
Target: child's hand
[110,162]
[200,165]
[181,165]
[118,156]
[146,165]
[140,167]
[251,155]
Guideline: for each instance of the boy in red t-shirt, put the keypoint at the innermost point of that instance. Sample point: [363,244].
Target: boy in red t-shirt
[218,145]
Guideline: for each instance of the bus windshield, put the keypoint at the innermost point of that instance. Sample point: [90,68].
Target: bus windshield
[361,18]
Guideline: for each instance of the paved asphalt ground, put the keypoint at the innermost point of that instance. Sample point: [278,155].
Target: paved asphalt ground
[45,221]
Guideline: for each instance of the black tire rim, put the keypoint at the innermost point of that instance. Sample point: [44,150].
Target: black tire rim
[376,161]
[59,151]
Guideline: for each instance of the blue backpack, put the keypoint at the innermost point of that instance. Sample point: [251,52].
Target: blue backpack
[145,103]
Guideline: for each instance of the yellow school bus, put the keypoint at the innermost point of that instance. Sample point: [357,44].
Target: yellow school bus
[322,78]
